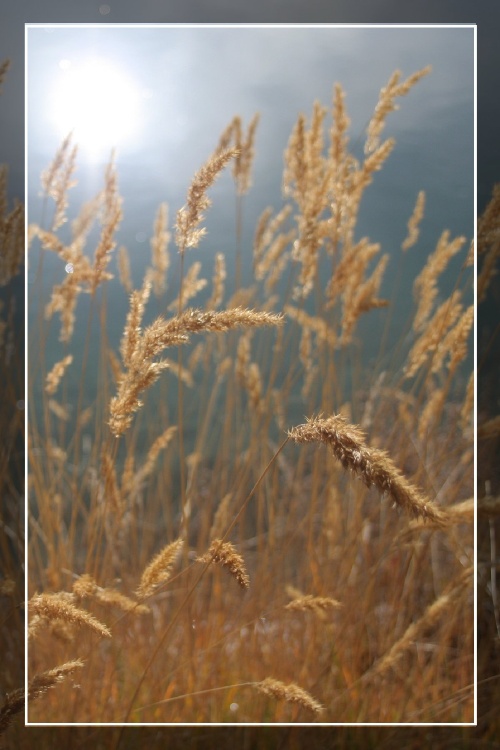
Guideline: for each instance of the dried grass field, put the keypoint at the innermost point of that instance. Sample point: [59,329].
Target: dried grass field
[196,554]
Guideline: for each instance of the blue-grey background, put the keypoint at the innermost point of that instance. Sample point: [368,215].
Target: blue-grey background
[192,81]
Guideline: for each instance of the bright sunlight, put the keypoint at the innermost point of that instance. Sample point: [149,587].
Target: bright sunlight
[99,102]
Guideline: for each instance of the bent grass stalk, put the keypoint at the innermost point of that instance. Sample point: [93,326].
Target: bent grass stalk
[372,465]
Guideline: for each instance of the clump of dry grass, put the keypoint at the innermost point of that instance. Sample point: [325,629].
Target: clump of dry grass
[488,243]
[372,465]
[226,555]
[138,351]
[110,220]
[158,571]
[453,596]
[40,684]
[11,222]
[461,513]
[54,376]
[56,180]
[386,104]
[58,607]
[81,274]
[317,604]
[425,285]
[290,693]
[188,234]
[414,222]
[159,250]
[222,463]
[86,587]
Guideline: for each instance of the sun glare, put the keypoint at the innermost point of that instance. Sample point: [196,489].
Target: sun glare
[99,102]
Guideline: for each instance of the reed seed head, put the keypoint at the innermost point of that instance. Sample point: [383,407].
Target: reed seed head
[291,693]
[372,465]
[225,553]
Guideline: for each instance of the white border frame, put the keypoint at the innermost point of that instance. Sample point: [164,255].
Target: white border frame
[250,26]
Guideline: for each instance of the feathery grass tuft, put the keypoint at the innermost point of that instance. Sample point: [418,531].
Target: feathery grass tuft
[226,554]
[290,693]
[372,465]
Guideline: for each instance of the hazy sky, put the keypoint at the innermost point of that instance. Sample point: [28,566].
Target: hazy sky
[188,82]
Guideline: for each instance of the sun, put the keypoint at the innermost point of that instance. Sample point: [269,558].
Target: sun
[99,102]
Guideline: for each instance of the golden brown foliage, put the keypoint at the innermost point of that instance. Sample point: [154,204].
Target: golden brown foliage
[372,465]
[226,554]
[219,462]
[291,693]
[59,607]
[158,571]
